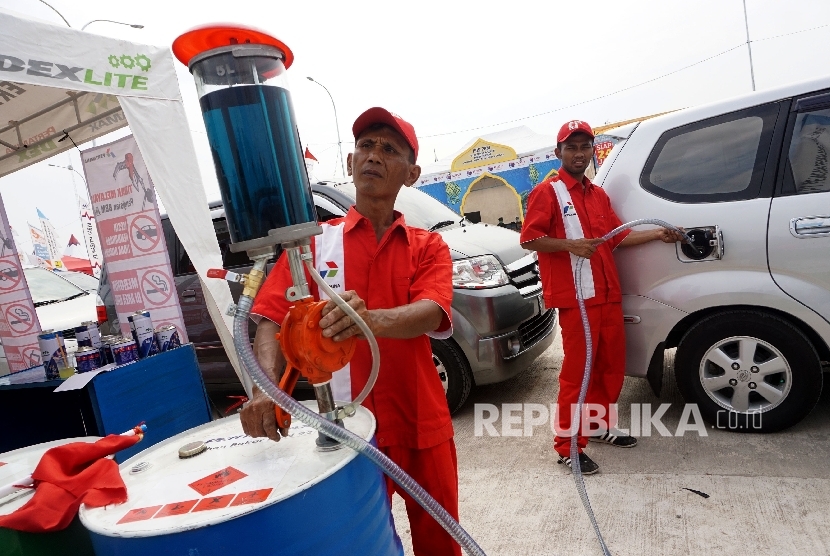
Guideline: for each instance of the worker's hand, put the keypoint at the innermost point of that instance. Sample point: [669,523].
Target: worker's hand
[669,236]
[584,247]
[338,325]
[258,418]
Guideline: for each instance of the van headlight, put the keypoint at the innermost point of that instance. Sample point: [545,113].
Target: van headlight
[478,273]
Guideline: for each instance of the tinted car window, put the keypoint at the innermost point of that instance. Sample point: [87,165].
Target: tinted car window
[223,236]
[718,159]
[807,168]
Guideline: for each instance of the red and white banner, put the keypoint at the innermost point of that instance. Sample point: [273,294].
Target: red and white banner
[19,325]
[132,241]
[91,240]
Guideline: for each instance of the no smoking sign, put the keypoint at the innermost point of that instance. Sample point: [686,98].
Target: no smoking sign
[20,318]
[157,287]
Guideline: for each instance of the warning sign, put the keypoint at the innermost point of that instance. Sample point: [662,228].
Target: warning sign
[139,514]
[132,236]
[217,480]
[252,497]
[31,356]
[177,508]
[20,318]
[144,233]
[214,503]
[157,287]
[10,275]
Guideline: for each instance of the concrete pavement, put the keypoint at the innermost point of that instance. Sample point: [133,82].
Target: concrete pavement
[768,494]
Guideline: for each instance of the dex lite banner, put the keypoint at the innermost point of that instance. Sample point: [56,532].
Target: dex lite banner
[131,239]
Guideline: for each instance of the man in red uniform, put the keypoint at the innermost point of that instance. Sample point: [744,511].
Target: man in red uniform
[566,216]
[399,279]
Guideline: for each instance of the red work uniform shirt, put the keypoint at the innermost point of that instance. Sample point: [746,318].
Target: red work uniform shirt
[407,265]
[544,219]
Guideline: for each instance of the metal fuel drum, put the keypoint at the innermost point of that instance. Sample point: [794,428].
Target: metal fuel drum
[52,354]
[145,336]
[167,337]
[87,358]
[88,334]
[123,350]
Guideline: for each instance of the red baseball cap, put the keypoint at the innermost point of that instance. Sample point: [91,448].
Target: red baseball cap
[379,115]
[574,126]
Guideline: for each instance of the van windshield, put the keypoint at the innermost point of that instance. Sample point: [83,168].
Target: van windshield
[419,209]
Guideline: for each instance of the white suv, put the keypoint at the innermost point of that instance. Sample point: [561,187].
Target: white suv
[748,307]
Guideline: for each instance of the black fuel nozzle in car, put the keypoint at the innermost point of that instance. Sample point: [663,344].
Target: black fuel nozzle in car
[702,245]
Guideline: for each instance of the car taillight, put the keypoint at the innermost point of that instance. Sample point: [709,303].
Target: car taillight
[101,311]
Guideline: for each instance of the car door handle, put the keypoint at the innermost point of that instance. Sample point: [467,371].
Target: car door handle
[189,293]
[810,226]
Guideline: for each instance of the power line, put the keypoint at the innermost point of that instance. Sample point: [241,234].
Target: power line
[589,100]
[793,33]
[624,89]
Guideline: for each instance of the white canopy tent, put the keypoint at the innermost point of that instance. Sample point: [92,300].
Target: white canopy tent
[56,81]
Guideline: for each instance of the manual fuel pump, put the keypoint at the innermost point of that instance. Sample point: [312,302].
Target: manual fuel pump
[240,77]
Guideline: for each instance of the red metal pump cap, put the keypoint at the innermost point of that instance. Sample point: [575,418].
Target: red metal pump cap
[214,35]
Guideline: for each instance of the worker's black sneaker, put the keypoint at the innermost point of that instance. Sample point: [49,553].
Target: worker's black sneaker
[618,440]
[586,464]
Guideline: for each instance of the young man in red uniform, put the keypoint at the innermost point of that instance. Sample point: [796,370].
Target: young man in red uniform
[399,279]
[566,216]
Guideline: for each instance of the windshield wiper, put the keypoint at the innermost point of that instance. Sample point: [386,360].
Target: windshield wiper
[441,225]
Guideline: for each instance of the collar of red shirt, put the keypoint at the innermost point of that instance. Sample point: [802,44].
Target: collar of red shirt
[353,218]
[570,182]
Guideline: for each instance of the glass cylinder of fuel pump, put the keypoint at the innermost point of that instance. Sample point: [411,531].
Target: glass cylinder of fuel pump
[247,109]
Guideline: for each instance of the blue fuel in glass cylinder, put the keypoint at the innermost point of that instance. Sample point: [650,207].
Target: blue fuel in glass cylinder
[258,158]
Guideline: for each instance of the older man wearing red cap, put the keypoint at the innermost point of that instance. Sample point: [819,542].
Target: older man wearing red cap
[566,217]
[399,279]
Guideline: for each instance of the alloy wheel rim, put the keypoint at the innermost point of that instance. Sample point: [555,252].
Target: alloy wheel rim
[745,375]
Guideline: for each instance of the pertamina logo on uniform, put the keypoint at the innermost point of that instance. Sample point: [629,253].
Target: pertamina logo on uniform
[569,209]
[331,272]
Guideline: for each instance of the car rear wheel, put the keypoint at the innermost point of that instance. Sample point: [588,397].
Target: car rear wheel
[453,371]
[748,371]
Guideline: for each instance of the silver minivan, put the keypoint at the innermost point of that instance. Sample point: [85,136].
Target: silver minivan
[748,304]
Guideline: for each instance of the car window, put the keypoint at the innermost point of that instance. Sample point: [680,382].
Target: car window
[83,281]
[223,236]
[419,209]
[807,159]
[45,286]
[717,159]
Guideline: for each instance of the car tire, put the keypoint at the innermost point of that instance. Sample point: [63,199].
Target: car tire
[775,390]
[454,372]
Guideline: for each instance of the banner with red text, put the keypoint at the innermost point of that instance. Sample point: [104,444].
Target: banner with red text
[129,228]
[19,325]
[91,240]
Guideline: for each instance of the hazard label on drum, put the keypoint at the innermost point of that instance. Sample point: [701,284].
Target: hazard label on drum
[214,503]
[215,481]
[139,514]
[252,497]
[177,508]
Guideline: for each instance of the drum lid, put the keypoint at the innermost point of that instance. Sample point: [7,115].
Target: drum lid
[234,476]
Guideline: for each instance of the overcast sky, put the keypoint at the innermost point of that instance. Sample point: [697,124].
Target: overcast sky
[458,69]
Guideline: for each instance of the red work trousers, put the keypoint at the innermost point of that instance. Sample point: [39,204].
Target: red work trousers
[436,470]
[607,373]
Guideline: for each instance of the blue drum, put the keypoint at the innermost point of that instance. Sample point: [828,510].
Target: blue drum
[72,541]
[214,491]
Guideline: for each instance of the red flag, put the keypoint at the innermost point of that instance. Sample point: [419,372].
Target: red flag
[309,155]
[68,476]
